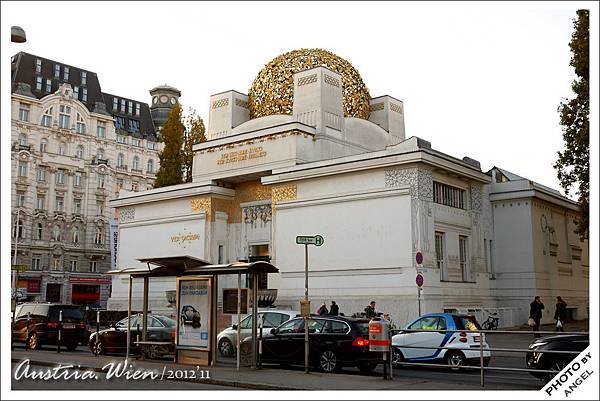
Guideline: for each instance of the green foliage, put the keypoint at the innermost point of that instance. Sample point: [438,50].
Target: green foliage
[573,164]
[171,158]
[194,133]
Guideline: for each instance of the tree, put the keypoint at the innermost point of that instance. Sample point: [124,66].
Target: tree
[171,158]
[573,164]
[194,133]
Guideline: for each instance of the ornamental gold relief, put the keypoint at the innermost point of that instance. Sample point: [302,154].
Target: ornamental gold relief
[201,205]
[272,91]
[284,193]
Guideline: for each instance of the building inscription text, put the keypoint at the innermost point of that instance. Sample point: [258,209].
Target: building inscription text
[240,155]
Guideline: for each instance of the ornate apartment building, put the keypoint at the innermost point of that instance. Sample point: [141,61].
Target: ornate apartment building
[73,148]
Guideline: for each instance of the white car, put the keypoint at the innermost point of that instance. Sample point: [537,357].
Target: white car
[226,339]
[464,346]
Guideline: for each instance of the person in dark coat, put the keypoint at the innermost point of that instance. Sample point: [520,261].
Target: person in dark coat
[560,314]
[370,310]
[535,312]
[334,309]
[322,310]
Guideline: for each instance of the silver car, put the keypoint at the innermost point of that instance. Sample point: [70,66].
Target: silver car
[226,339]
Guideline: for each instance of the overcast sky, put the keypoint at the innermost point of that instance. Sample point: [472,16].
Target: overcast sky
[477,80]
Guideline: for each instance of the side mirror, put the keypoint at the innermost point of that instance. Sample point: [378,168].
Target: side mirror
[274,331]
[234,327]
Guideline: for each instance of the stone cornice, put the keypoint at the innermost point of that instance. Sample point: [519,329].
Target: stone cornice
[168,193]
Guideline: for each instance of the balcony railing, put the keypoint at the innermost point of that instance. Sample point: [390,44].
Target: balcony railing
[122,167]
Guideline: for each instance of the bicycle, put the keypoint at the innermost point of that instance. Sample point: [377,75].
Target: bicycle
[491,323]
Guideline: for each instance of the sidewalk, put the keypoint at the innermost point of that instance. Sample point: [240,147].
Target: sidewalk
[263,379]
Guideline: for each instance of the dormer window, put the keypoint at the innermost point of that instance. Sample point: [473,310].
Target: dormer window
[137,109]
[84,94]
[122,106]
[134,126]
[48,85]
[115,103]
[38,66]
[76,92]
[38,83]
[119,122]
[66,73]
[57,71]
[130,107]
[83,78]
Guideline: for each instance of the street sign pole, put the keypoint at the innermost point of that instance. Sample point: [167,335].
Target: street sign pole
[306,299]
[419,298]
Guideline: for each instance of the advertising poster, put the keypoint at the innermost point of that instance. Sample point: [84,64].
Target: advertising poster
[114,243]
[194,313]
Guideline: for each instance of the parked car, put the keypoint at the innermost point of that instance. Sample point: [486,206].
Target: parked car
[189,315]
[551,361]
[465,346]
[226,339]
[334,342]
[114,339]
[44,325]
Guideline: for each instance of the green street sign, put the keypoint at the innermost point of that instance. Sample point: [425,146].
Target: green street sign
[310,240]
[20,268]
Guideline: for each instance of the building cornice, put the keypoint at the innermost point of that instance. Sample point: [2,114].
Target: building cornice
[169,193]
[534,193]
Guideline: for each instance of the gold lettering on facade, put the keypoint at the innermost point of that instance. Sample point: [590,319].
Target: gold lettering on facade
[241,155]
[184,237]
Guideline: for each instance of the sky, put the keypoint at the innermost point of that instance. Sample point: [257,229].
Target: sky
[478,80]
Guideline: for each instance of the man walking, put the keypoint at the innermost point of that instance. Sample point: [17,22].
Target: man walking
[535,313]
[334,309]
[370,310]
[560,314]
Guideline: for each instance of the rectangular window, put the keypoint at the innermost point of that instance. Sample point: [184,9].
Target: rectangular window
[101,129]
[24,112]
[440,255]
[220,257]
[115,103]
[80,127]
[43,146]
[134,126]
[119,122]
[66,73]
[60,176]
[41,174]
[448,195]
[135,141]
[73,266]
[150,145]
[137,109]
[100,208]
[60,204]
[134,186]
[122,105]
[20,198]
[38,66]
[130,107]
[83,78]
[22,170]
[38,83]
[120,183]
[46,120]
[48,85]
[56,71]
[463,257]
[64,117]
[77,180]
[36,263]
[101,180]
[84,94]
[121,139]
[93,266]
[77,206]
[41,202]
[76,92]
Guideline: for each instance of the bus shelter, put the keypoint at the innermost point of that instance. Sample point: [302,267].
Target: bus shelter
[196,302]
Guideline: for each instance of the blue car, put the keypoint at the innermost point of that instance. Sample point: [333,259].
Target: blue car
[464,345]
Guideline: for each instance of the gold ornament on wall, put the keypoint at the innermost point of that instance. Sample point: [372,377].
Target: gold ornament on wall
[272,91]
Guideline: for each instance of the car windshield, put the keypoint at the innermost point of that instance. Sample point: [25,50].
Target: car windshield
[167,321]
[68,312]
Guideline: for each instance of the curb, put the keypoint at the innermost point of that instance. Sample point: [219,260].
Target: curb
[217,382]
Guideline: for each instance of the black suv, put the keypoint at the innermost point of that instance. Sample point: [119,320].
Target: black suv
[334,342]
[554,361]
[43,325]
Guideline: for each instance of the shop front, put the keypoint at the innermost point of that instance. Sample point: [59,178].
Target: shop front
[86,290]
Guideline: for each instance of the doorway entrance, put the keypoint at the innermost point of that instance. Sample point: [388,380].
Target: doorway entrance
[53,292]
[260,253]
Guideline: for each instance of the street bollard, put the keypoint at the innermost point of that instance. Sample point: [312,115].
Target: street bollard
[260,328]
[97,331]
[385,366]
[59,330]
[481,340]
[27,332]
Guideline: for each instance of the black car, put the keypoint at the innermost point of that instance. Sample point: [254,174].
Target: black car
[44,324]
[552,361]
[160,329]
[334,342]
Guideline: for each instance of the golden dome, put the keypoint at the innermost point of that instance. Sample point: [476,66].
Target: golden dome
[272,91]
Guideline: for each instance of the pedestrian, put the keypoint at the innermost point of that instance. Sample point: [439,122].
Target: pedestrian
[535,313]
[334,309]
[560,314]
[322,311]
[370,310]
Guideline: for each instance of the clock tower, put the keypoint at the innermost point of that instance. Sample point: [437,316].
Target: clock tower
[164,97]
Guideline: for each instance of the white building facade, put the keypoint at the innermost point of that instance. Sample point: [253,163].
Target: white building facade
[376,197]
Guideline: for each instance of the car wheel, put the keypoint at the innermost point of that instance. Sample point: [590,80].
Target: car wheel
[328,361]
[33,342]
[367,367]
[226,348]
[97,347]
[455,360]
[397,357]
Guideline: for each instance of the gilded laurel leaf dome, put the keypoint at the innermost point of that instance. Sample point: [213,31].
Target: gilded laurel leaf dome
[272,91]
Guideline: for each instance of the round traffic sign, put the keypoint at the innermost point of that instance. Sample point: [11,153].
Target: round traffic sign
[419,280]
[419,258]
